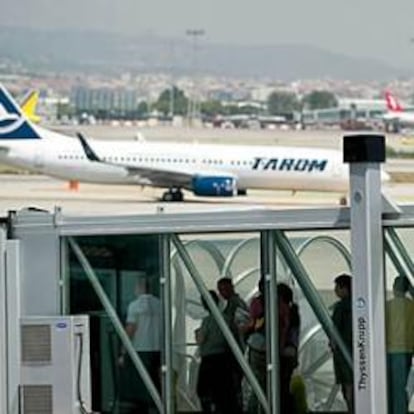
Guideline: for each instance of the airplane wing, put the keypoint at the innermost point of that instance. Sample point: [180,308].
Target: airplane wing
[156,176]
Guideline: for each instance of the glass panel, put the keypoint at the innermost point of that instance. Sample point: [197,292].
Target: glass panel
[324,256]
[204,364]
[119,260]
[399,314]
[127,268]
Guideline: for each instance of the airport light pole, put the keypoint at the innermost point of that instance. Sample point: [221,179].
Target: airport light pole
[193,100]
[172,86]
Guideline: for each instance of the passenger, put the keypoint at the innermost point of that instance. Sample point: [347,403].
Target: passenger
[236,312]
[214,378]
[342,319]
[399,314]
[256,341]
[143,326]
[289,330]
[289,327]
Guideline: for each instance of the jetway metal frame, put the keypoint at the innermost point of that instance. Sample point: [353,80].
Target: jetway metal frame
[49,232]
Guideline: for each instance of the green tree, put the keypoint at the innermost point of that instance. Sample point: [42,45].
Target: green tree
[282,102]
[179,103]
[320,100]
[211,108]
[143,108]
[230,109]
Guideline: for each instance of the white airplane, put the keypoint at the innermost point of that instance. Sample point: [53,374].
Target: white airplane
[397,116]
[205,170]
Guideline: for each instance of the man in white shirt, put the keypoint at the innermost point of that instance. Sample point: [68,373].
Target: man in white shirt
[144,319]
[143,326]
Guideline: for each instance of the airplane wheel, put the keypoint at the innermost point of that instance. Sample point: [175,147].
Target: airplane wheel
[178,196]
[167,196]
[173,195]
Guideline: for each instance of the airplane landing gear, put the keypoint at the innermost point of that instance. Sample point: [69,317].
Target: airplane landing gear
[173,194]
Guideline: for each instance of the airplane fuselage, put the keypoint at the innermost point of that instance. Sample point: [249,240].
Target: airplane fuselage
[284,168]
[406,118]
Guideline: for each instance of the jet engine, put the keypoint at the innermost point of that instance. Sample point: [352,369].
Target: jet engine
[216,186]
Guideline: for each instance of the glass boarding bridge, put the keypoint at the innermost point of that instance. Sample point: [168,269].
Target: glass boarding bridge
[52,264]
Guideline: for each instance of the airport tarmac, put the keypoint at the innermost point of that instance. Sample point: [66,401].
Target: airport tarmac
[22,191]
[327,138]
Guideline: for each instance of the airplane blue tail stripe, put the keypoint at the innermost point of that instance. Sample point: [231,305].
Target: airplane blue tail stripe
[12,123]
[25,131]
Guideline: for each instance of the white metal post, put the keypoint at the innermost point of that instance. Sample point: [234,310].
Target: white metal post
[167,368]
[3,327]
[13,323]
[365,153]
[268,268]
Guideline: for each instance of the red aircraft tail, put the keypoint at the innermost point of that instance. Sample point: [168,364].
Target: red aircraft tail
[393,103]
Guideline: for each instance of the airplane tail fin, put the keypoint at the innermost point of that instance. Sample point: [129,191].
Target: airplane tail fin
[393,104]
[13,124]
[29,106]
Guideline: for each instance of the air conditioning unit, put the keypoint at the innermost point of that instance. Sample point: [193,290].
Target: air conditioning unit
[55,365]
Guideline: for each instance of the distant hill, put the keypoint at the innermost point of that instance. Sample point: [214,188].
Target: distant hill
[109,53]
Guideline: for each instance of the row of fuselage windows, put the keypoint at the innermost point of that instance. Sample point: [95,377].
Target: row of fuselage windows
[158,160]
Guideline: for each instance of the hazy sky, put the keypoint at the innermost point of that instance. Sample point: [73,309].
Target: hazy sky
[374,28]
